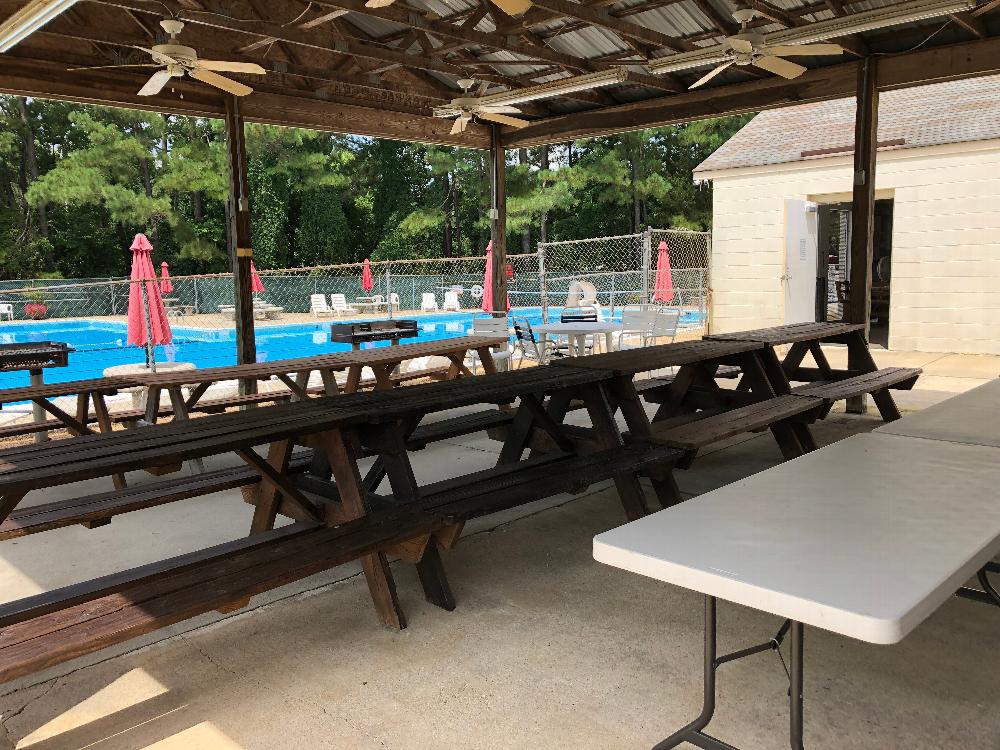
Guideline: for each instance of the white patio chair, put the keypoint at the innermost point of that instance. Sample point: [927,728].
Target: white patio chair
[451,302]
[393,301]
[492,327]
[318,305]
[664,329]
[338,303]
[7,310]
[428,302]
[637,328]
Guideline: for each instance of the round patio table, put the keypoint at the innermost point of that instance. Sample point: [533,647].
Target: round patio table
[577,333]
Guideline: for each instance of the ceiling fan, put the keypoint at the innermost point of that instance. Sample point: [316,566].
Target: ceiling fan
[178,60]
[750,48]
[510,7]
[466,107]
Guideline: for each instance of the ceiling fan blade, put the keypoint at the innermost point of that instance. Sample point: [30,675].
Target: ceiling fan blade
[503,109]
[793,50]
[156,83]
[158,56]
[779,66]
[222,66]
[710,75]
[461,124]
[513,7]
[220,82]
[514,122]
[103,67]
[379,3]
[739,45]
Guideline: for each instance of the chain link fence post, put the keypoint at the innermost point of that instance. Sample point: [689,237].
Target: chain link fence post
[543,293]
[645,261]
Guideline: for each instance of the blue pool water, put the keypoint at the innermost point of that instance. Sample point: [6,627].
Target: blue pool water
[101,344]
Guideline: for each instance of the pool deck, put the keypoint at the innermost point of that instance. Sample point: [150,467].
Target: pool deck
[547,649]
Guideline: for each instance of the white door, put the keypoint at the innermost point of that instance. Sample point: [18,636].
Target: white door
[801,262]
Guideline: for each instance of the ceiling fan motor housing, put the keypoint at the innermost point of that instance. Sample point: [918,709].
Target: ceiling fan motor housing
[185,55]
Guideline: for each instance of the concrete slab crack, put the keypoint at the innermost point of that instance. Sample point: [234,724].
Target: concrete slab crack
[6,742]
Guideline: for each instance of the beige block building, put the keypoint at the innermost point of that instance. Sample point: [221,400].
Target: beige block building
[782,218]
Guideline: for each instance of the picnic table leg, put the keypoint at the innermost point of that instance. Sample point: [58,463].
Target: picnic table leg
[486,357]
[661,477]
[268,495]
[760,385]
[595,397]
[9,501]
[859,357]
[353,379]
[430,569]
[381,585]
[181,415]
[104,424]
[37,413]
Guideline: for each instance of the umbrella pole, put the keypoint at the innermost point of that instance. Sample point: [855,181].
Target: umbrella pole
[150,356]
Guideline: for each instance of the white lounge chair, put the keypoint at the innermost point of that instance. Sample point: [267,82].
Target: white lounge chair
[318,305]
[339,306]
[428,302]
[451,301]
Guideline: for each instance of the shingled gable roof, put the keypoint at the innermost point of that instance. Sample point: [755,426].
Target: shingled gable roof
[953,112]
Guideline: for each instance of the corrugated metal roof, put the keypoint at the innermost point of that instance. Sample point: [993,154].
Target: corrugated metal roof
[940,113]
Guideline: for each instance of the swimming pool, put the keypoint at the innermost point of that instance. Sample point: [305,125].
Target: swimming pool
[101,344]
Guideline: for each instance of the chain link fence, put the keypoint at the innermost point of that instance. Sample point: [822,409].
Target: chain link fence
[625,271]
[294,307]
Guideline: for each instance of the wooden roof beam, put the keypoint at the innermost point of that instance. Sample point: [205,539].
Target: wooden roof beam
[608,22]
[929,65]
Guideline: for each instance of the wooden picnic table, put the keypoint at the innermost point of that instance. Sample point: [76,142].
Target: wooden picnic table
[861,376]
[340,513]
[694,411]
[87,392]
[295,373]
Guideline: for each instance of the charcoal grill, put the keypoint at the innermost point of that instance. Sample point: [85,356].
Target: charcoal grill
[365,332]
[35,355]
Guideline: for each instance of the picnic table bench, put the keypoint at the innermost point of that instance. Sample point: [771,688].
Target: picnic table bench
[866,538]
[861,377]
[694,411]
[339,513]
[295,375]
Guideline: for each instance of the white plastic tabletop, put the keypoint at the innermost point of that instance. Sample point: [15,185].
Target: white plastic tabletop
[971,417]
[866,537]
[599,326]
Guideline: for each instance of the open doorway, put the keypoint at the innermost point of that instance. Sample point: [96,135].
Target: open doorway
[834,265]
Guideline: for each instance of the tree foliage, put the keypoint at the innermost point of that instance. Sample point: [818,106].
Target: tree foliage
[77,182]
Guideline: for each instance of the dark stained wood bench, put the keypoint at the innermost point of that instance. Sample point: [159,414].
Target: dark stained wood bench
[795,411]
[876,383]
[98,509]
[47,629]
[465,424]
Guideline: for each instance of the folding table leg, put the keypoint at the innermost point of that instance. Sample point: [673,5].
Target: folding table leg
[694,732]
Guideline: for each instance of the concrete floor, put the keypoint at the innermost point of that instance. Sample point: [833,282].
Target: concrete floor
[547,649]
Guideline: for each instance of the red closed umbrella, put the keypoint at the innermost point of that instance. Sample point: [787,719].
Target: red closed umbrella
[366,276]
[166,286]
[256,285]
[488,282]
[664,290]
[142,331]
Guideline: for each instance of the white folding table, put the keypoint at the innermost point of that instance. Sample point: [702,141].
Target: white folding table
[866,538]
[971,417]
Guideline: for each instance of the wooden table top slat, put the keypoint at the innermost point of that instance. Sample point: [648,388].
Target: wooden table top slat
[381,355]
[68,388]
[647,358]
[790,333]
[102,454]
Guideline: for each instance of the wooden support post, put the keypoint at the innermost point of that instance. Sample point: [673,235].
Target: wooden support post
[863,205]
[238,238]
[498,220]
